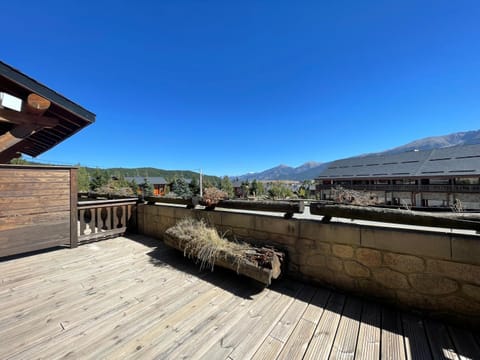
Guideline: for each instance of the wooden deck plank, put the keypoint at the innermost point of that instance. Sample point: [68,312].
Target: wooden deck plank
[162,347]
[181,322]
[440,342]
[254,325]
[55,266]
[52,287]
[51,314]
[267,319]
[346,338]
[416,343]
[139,307]
[43,282]
[297,343]
[200,341]
[285,326]
[133,299]
[465,343]
[169,328]
[324,336]
[369,336]
[392,345]
[269,349]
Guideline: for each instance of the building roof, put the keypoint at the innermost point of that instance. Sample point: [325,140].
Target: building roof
[450,161]
[71,116]
[155,180]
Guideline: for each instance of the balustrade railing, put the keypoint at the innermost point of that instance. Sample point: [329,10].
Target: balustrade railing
[101,219]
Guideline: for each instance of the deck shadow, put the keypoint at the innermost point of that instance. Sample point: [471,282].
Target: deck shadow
[32,253]
[164,256]
[407,332]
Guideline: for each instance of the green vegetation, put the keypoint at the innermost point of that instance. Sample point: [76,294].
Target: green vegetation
[194,186]
[181,188]
[20,161]
[280,191]
[257,188]
[169,175]
[83,179]
[227,186]
[146,187]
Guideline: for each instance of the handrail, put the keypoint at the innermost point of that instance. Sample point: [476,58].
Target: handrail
[289,207]
[459,188]
[105,203]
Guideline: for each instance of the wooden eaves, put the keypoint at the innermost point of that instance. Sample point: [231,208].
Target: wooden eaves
[46,117]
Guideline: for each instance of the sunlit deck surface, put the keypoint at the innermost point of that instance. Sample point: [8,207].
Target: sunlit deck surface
[135,298]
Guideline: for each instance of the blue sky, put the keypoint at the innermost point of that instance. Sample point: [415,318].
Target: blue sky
[236,87]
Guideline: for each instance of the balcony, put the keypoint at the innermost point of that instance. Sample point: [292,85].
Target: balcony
[408,188]
[131,297]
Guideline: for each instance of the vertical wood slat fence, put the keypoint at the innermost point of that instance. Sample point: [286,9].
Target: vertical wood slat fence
[102,219]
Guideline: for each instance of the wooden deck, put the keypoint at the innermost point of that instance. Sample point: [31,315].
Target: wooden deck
[134,298]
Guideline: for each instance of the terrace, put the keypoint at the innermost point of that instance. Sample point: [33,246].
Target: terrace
[340,297]
[132,297]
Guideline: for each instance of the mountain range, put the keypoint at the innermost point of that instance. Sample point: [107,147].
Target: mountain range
[312,169]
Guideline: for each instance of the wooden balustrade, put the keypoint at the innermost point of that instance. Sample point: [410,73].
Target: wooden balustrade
[101,219]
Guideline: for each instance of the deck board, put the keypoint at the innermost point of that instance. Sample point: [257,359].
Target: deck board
[393,342]
[346,338]
[297,343]
[135,298]
[369,335]
[321,343]
[416,343]
[440,342]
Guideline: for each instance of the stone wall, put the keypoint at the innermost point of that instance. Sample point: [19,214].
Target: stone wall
[432,271]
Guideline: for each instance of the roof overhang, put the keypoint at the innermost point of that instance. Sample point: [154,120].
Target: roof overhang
[29,132]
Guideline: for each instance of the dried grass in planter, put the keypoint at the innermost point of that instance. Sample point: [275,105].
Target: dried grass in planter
[205,245]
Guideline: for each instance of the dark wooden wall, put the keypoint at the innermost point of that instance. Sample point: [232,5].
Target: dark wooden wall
[37,208]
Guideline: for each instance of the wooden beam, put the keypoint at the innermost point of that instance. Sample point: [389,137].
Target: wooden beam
[20,118]
[17,134]
[73,208]
[190,202]
[36,104]
[393,216]
[286,206]
[8,155]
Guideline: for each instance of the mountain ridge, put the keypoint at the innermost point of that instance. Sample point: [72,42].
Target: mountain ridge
[312,169]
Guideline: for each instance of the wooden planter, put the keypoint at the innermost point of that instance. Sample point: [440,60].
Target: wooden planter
[260,264]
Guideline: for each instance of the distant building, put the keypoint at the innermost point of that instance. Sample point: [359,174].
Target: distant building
[238,189]
[430,178]
[158,182]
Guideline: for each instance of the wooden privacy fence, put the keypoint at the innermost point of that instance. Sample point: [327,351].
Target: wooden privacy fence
[37,208]
[101,219]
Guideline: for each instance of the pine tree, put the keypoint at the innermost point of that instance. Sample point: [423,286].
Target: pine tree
[98,179]
[194,186]
[181,188]
[147,188]
[83,180]
[227,186]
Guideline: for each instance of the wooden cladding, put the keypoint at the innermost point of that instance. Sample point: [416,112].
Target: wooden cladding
[36,205]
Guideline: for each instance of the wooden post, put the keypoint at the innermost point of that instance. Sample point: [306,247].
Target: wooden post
[36,104]
[73,208]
